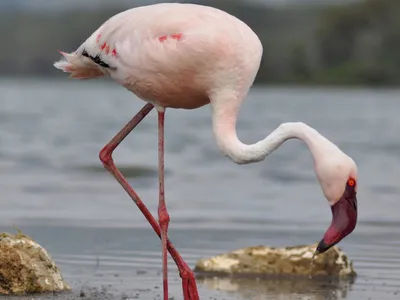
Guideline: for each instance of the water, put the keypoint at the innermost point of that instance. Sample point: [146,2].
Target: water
[312,263]
[55,189]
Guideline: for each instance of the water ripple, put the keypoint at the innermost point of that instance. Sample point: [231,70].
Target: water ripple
[55,188]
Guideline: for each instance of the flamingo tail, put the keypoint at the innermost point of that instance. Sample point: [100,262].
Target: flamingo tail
[78,66]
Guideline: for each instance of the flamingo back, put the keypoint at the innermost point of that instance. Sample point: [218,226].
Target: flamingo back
[171,54]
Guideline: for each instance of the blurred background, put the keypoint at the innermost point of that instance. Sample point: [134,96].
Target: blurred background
[305,41]
[332,64]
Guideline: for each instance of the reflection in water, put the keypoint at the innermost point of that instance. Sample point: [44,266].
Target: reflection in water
[274,288]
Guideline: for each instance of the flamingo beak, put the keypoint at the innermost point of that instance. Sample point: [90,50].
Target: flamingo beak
[344,220]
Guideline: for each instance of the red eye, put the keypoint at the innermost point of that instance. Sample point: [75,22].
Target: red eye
[351,182]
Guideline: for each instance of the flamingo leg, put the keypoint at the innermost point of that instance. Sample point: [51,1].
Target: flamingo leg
[163,216]
[188,279]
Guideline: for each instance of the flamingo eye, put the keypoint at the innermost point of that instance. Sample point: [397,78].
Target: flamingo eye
[351,182]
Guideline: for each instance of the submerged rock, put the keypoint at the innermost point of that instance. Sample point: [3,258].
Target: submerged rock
[263,260]
[26,267]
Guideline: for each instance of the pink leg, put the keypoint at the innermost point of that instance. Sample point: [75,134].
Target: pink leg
[188,280]
[163,216]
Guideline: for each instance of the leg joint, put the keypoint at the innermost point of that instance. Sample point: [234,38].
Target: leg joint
[163,217]
[105,156]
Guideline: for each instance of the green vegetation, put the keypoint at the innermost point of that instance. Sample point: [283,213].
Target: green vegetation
[357,43]
[360,43]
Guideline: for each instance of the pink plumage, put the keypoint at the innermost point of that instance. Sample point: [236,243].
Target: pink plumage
[172,55]
[186,56]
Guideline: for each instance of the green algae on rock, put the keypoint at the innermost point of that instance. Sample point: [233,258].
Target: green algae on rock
[26,267]
[263,260]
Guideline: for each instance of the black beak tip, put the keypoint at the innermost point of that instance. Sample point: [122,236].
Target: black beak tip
[322,247]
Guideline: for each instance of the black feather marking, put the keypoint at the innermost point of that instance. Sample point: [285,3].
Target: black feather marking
[96,59]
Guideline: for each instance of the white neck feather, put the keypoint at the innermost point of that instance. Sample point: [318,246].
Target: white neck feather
[332,167]
[224,126]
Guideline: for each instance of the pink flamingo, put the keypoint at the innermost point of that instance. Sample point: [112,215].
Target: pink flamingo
[187,56]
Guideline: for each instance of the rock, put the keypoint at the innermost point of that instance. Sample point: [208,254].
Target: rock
[26,267]
[263,260]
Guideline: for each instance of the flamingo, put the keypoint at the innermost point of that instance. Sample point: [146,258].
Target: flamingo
[185,56]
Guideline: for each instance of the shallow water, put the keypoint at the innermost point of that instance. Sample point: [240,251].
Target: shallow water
[55,189]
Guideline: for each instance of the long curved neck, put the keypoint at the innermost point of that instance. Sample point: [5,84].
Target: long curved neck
[224,127]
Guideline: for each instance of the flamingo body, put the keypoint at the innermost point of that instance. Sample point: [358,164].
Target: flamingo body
[186,56]
[171,54]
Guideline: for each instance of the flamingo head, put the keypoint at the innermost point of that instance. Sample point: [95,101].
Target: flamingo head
[338,178]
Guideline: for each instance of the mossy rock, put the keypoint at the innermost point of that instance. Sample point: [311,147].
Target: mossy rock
[263,260]
[26,267]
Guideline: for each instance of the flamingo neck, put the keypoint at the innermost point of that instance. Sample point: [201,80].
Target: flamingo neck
[224,127]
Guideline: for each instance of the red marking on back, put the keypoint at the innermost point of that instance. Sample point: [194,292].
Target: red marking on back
[114,53]
[162,38]
[107,49]
[176,36]
[103,46]
[98,38]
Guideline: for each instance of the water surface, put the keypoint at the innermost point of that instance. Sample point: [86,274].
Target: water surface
[55,189]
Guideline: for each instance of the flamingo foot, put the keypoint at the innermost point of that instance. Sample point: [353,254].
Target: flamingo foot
[189,285]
